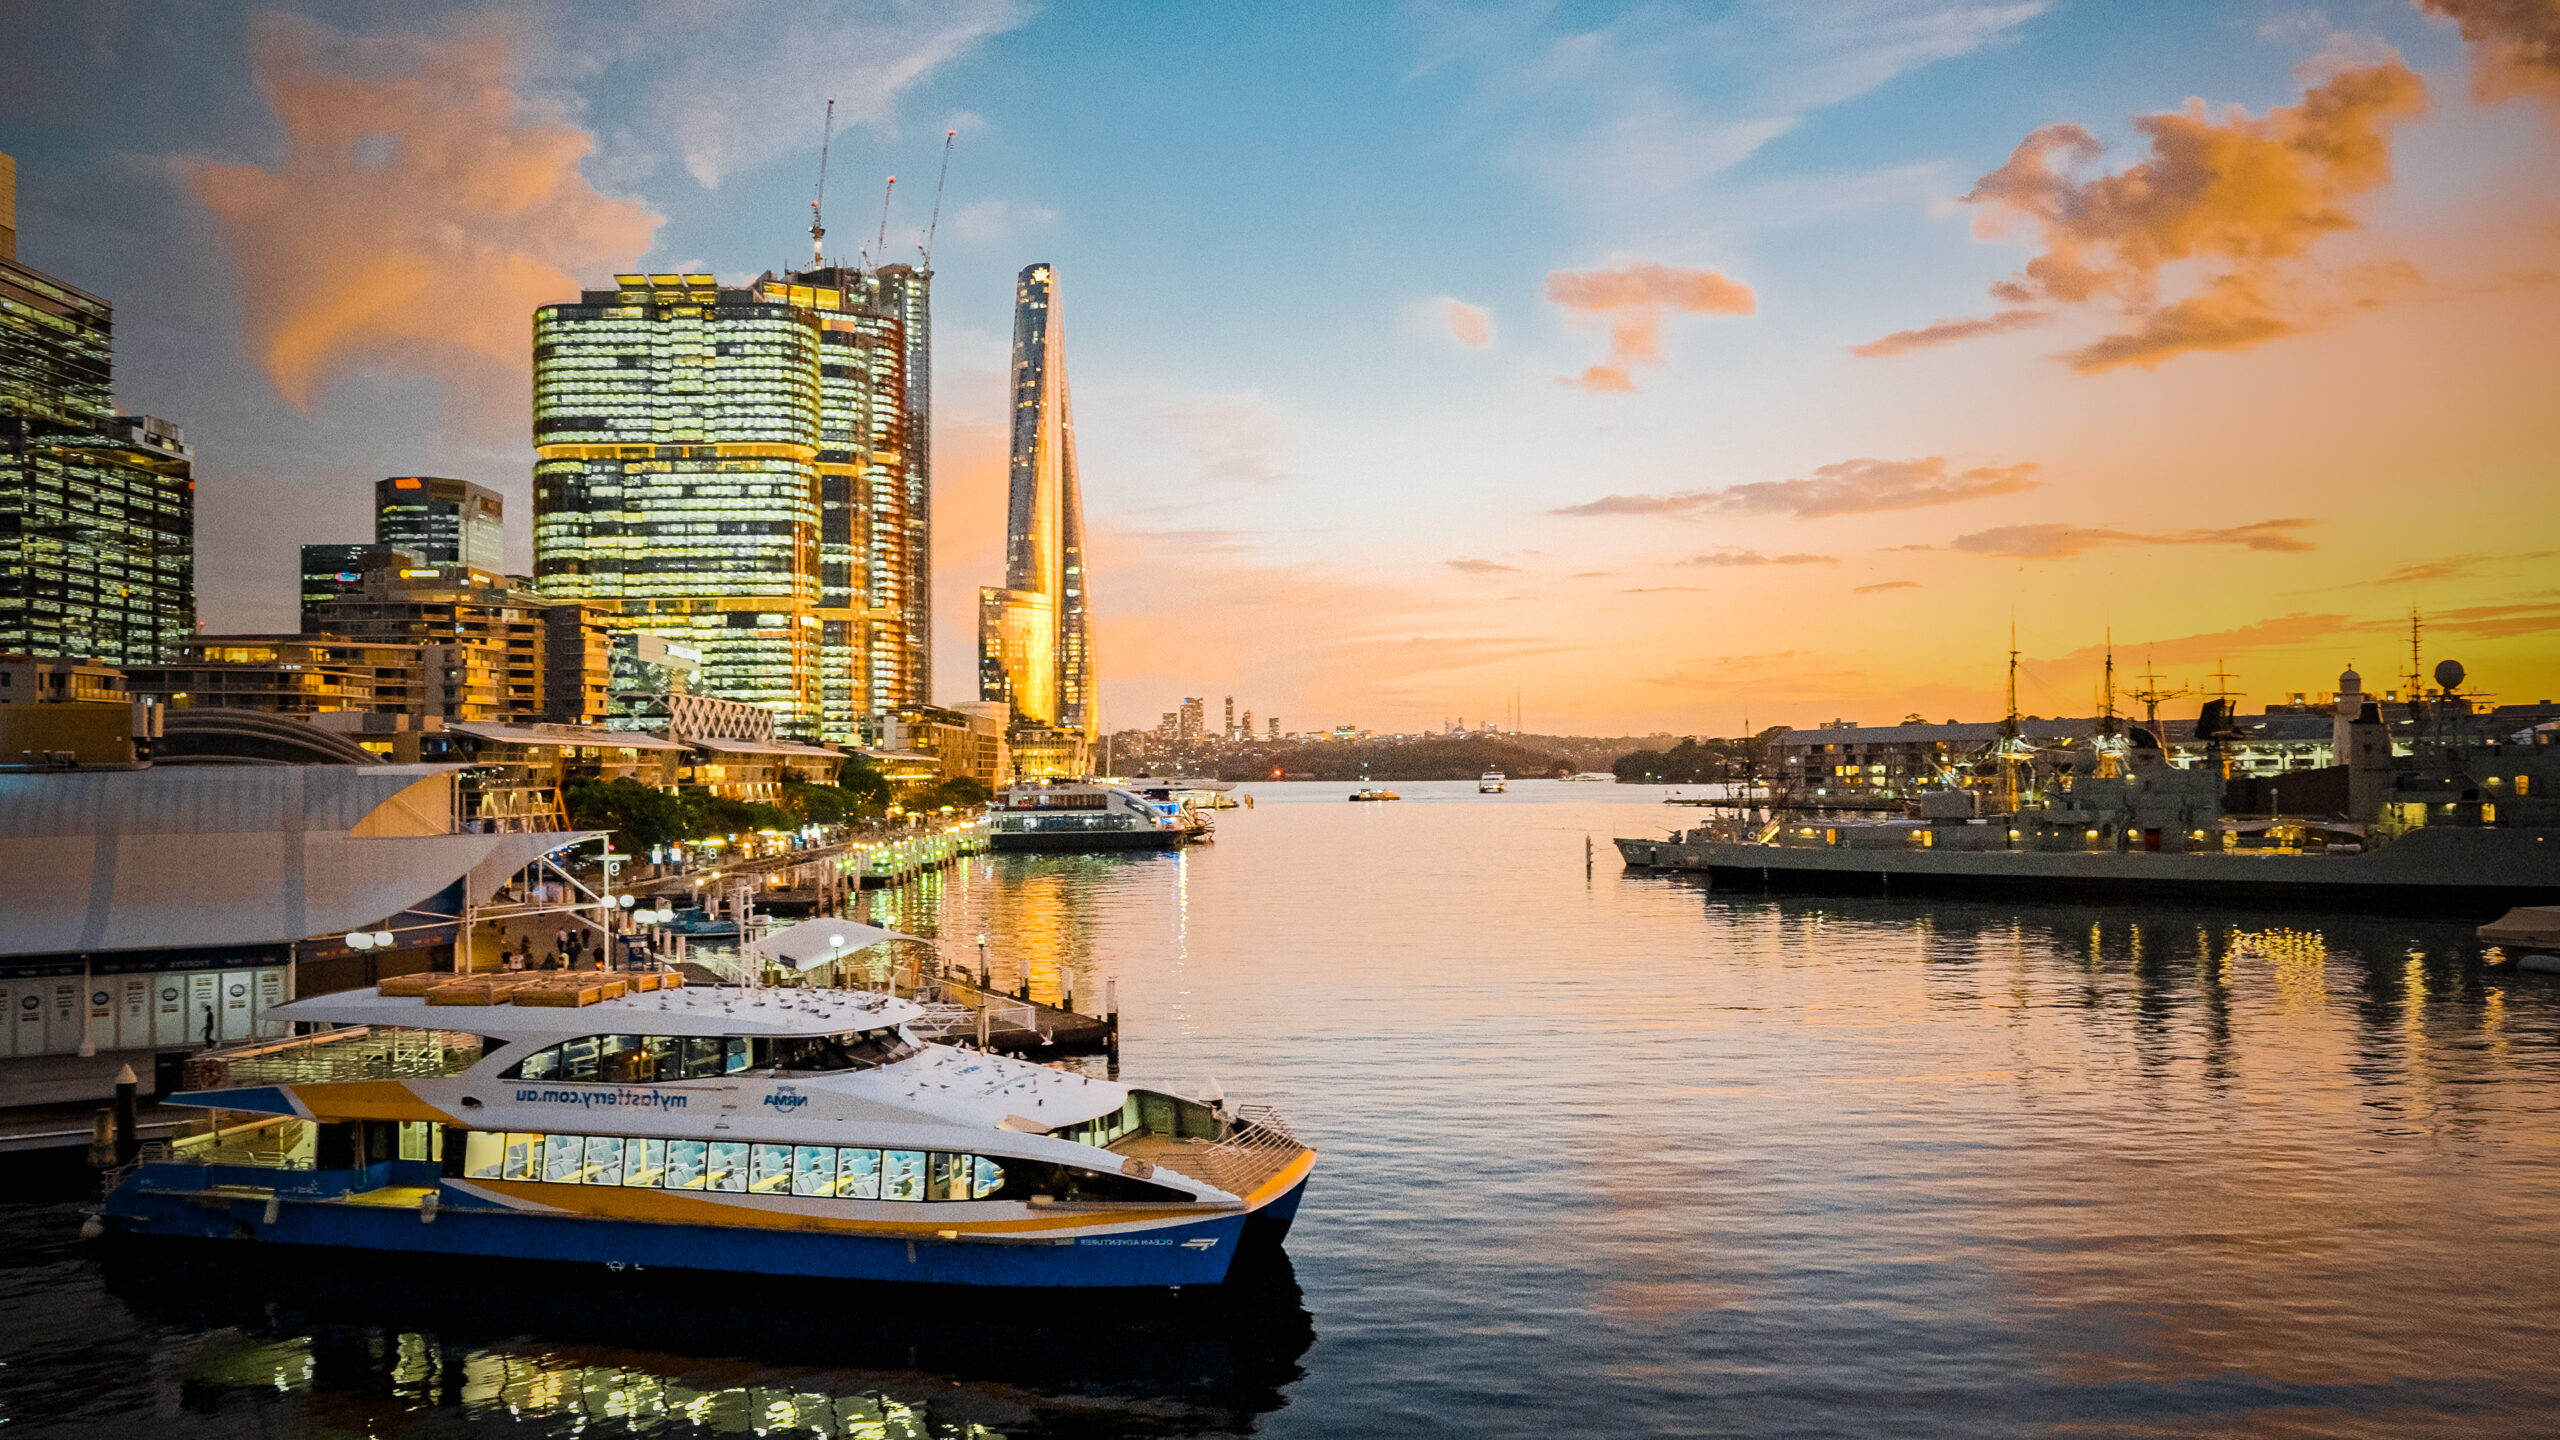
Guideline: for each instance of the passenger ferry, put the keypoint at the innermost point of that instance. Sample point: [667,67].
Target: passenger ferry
[641,1123]
[1087,815]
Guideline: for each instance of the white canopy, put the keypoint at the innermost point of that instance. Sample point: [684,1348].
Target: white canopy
[813,943]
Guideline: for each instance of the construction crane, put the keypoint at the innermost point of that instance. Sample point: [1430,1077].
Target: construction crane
[935,225]
[817,225]
[879,253]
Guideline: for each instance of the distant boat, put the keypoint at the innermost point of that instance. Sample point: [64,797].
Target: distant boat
[1491,782]
[1593,777]
[1365,793]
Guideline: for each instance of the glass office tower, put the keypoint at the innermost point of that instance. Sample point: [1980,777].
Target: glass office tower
[723,468]
[1035,648]
[97,509]
[448,522]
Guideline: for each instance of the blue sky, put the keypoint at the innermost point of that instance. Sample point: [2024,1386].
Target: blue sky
[1306,490]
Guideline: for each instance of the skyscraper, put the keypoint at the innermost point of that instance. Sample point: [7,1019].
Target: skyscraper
[1035,646]
[906,291]
[97,509]
[446,522]
[726,469]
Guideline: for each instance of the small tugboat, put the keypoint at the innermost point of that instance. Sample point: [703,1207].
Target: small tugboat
[1491,782]
[628,1120]
[1367,792]
[1089,815]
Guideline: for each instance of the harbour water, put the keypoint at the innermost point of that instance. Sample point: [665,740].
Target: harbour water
[1603,1154]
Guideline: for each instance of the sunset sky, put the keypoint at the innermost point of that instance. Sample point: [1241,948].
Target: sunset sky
[1658,364]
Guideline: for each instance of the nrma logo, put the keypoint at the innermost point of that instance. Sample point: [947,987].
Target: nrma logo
[786,1102]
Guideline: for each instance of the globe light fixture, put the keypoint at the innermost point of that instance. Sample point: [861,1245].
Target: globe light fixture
[359,940]
[627,901]
[384,939]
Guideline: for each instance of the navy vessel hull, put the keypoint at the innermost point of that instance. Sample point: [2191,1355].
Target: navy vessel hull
[2445,873]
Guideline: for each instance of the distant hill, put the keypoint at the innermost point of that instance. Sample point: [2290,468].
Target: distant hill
[1452,758]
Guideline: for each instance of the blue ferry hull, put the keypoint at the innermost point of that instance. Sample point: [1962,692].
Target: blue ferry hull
[1190,1253]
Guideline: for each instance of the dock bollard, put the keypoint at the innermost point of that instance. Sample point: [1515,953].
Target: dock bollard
[128,1136]
[1111,1014]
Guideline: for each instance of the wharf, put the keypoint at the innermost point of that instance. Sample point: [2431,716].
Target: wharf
[1016,1025]
[71,1126]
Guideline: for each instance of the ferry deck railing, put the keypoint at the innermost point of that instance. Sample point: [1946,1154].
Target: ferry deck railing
[358,1052]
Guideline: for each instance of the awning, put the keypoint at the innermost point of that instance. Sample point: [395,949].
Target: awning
[813,943]
[763,747]
[234,855]
[581,738]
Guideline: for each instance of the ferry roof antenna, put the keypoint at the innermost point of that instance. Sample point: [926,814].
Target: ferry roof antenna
[817,229]
[935,225]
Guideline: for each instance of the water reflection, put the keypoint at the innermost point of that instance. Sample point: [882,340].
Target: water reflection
[400,1349]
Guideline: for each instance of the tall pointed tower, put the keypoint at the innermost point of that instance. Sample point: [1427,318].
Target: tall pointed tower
[1035,644]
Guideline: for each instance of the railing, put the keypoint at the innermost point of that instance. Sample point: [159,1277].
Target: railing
[358,1053]
[1258,1147]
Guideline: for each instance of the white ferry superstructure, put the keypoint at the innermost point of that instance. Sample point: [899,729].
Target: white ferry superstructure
[770,1131]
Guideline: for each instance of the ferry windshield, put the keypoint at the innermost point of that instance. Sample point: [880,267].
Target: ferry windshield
[862,1050]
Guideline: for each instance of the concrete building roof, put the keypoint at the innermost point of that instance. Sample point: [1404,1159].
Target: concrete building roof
[580,737]
[234,855]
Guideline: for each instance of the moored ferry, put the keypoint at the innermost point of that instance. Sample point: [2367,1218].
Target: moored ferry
[1086,815]
[799,1132]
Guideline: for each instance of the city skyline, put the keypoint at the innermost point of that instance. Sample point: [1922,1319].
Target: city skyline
[1651,366]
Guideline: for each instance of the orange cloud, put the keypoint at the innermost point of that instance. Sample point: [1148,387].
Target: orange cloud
[1886,585]
[1944,331]
[2062,542]
[418,215]
[1634,298]
[2515,45]
[1754,557]
[1846,487]
[1469,325]
[2243,198]
[1481,567]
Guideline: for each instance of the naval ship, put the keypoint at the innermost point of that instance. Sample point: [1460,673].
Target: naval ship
[2458,829]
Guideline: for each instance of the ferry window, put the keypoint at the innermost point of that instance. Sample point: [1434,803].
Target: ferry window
[542,1065]
[737,1057]
[625,1062]
[860,1051]
[858,1174]
[562,1157]
[902,1175]
[604,1160]
[1023,1179]
[666,1057]
[813,1170]
[686,1167]
[947,1177]
[769,1170]
[703,1056]
[420,1141]
[484,1155]
[578,1058]
[524,1156]
[644,1162]
[986,1177]
[725,1167]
